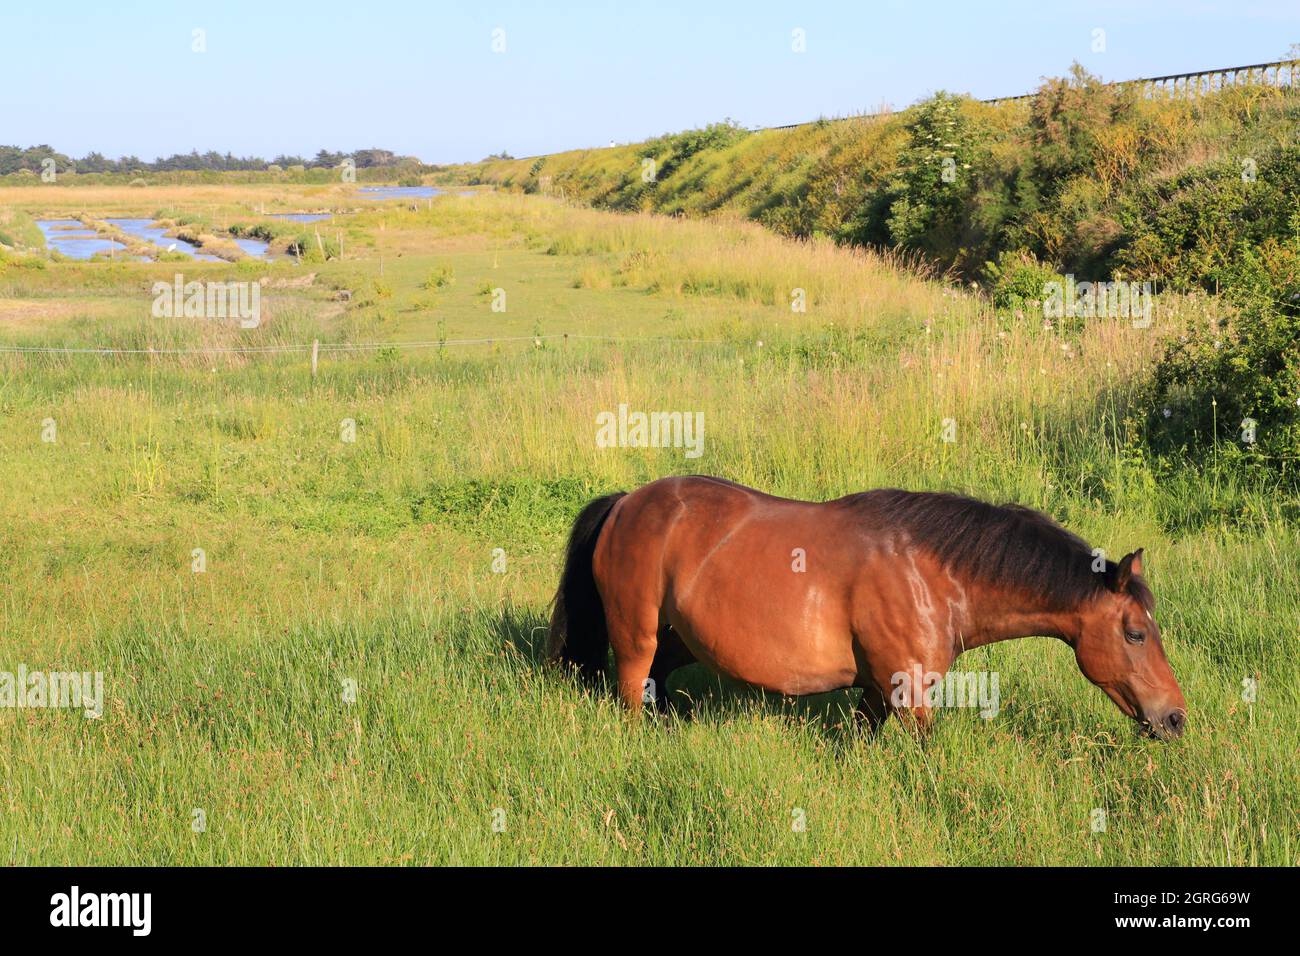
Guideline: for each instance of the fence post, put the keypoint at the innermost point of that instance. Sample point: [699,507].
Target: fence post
[315,355]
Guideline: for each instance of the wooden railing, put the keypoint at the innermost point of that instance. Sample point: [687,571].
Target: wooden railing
[1277,73]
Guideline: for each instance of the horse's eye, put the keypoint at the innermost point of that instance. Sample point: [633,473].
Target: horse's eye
[1134,637]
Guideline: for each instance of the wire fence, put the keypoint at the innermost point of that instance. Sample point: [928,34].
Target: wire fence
[319,347]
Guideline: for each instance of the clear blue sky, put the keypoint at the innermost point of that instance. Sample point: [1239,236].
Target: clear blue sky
[421,78]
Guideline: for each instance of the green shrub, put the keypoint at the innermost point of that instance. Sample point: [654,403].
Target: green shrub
[1017,280]
[312,247]
[440,277]
[934,179]
[1067,118]
[15,260]
[1218,379]
[1189,229]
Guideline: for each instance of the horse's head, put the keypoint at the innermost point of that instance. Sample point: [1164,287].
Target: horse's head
[1119,650]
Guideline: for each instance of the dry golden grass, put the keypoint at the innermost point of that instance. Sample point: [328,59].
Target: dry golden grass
[103,201]
[30,315]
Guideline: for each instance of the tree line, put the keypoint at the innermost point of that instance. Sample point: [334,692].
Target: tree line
[33,159]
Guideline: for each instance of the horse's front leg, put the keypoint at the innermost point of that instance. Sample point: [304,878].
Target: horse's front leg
[911,689]
[872,709]
[899,682]
[875,707]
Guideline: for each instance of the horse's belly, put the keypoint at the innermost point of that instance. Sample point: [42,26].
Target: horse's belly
[789,643]
[759,591]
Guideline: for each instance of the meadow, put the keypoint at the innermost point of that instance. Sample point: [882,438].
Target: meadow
[327,651]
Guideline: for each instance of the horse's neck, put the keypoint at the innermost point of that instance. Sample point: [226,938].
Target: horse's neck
[1001,615]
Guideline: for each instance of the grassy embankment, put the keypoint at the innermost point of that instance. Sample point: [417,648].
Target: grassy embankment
[1090,179]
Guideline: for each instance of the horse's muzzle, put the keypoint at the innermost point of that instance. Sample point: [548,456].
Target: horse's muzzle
[1168,727]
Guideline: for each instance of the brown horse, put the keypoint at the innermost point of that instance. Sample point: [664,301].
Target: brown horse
[802,597]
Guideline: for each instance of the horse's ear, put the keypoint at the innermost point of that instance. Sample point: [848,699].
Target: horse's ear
[1129,567]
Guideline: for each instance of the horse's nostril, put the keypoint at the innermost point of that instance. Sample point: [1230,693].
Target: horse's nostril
[1176,721]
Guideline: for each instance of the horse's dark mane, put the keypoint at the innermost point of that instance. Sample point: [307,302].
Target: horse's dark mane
[1002,545]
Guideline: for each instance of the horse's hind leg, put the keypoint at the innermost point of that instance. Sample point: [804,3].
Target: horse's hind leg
[634,639]
[670,654]
[628,565]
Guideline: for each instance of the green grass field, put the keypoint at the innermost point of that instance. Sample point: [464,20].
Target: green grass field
[349,679]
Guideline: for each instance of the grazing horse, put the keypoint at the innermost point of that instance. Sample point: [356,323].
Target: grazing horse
[803,597]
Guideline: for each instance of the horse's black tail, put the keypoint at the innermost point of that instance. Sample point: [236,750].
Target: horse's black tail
[578,635]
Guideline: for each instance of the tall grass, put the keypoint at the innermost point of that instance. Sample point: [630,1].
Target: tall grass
[330,562]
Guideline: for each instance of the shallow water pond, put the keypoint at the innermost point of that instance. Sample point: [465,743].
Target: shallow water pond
[252,247]
[146,230]
[73,239]
[399,192]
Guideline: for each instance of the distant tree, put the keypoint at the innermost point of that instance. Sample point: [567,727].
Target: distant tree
[324,158]
[366,158]
[94,162]
[14,158]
